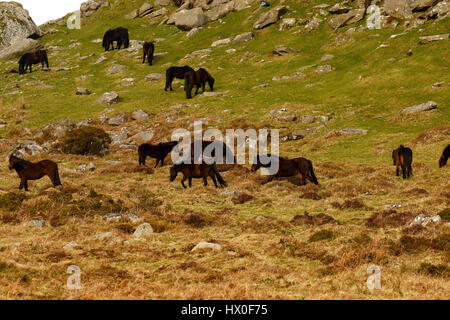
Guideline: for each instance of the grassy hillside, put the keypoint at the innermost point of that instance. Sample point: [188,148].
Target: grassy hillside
[260,258]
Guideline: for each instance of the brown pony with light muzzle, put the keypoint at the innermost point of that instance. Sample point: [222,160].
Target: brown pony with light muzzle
[34,171]
[197,171]
[288,168]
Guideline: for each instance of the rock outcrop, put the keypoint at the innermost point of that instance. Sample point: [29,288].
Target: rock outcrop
[15,24]
[90,7]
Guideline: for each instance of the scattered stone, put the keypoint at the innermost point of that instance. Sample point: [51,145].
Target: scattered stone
[314,24]
[221,42]
[143,231]
[207,245]
[90,167]
[100,60]
[153,77]
[189,19]
[308,119]
[438,84]
[140,115]
[283,50]
[346,19]
[70,246]
[438,37]
[427,106]
[230,193]
[103,236]
[297,75]
[118,120]
[270,17]
[424,220]
[109,98]
[287,118]
[143,136]
[353,131]
[324,69]
[287,23]
[193,31]
[90,7]
[82,92]
[230,50]
[243,37]
[27,147]
[263,85]
[338,9]
[326,57]
[116,68]
[211,94]
[38,223]
[117,216]
[199,53]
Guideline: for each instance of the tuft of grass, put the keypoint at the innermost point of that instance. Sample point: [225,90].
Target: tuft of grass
[440,270]
[322,235]
[86,141]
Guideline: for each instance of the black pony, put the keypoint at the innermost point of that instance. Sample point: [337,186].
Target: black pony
[149,50]
[28,59]
[120,35]
[176,72]
[199,79]
[444,157]
[403,158]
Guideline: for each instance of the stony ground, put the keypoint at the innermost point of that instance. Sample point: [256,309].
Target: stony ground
[340,106]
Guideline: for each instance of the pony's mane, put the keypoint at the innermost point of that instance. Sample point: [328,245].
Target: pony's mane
[20,162]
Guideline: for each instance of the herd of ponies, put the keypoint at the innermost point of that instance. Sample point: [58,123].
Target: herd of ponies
[301,167]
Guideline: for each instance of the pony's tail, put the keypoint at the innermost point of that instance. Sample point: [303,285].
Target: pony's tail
[57,180]
[311,172]
[218,176]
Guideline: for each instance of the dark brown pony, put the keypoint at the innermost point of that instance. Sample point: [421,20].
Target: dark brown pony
[288,168]
[175,72]
[197,78]
[149,50]
[403,158]
[34,171]
[28,59]
[120,35]
[197,171]
[227,153]
[444,157]
[158,151]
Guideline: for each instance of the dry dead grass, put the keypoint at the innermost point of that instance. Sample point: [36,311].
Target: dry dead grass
[271,248]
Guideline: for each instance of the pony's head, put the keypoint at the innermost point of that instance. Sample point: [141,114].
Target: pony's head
[105,38]
[211,81]
[14,161]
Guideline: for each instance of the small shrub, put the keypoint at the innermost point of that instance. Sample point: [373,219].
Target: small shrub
[11,201]
[440,270]
[86,141]
[445,214]
[322,235]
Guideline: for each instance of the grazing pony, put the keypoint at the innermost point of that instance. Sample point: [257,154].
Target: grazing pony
[120,35]
[34,171]
[444,157]
[28,59]
[288,168]
[227,153]
[403,158]
[197,171]
[159,152]
[199,79]
[149,50]
[175,72]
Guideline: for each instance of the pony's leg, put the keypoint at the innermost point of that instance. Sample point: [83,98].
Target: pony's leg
[182,182]
[205,180]
[214,180]
[162,161]
[190,182]
[203,87]
[196,90]
[404,172]
[21,184]
[270,179]
[145,56]
[398,171]
[157,162]
[302,178]
[25,184]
